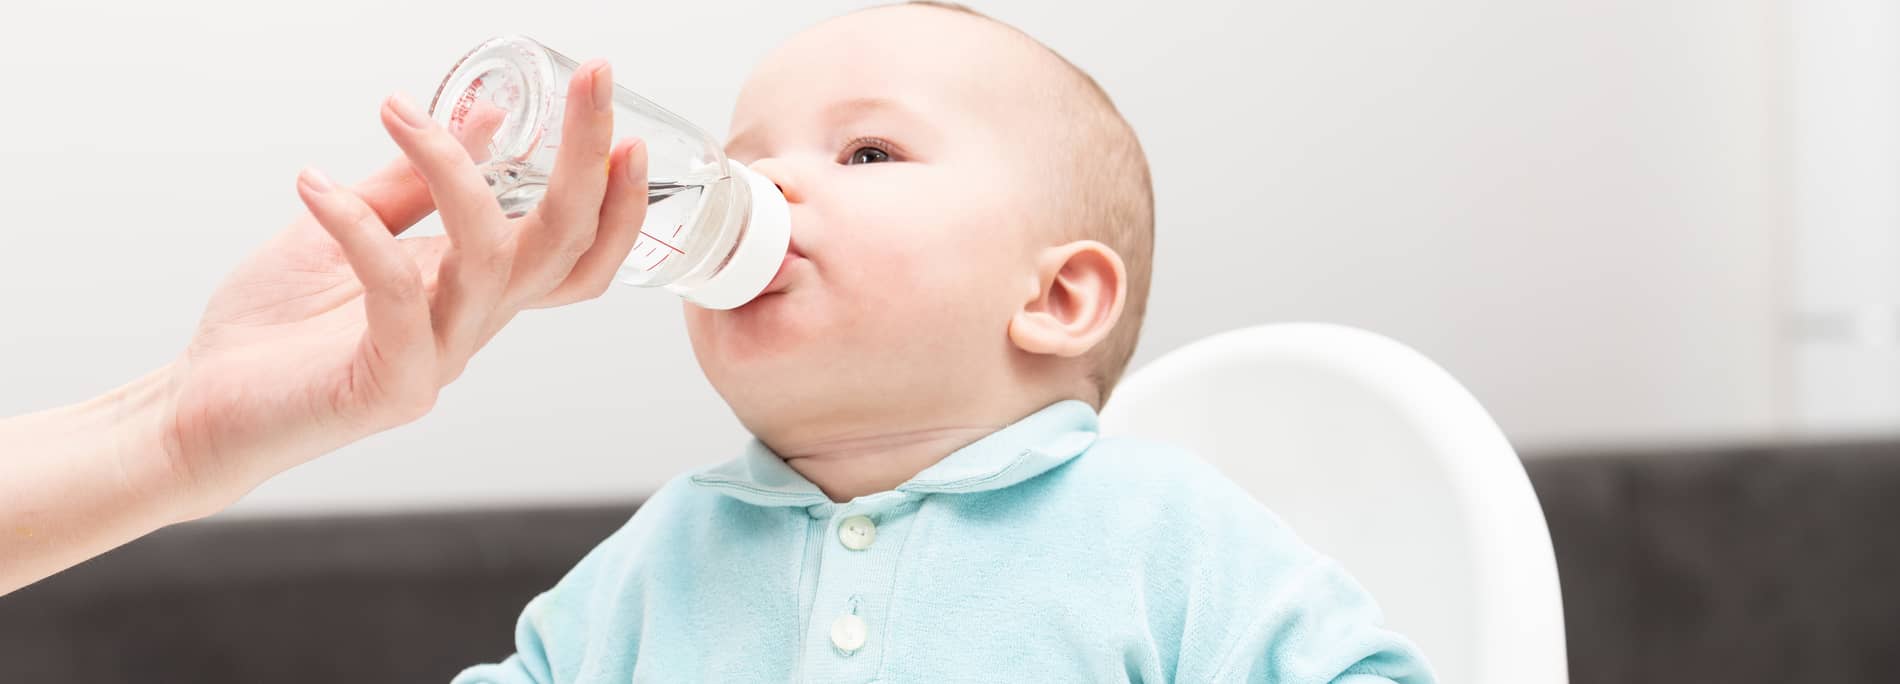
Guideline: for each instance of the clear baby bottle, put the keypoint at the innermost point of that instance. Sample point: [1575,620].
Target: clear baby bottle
[715,232]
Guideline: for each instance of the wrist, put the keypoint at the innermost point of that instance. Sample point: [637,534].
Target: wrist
[141,419]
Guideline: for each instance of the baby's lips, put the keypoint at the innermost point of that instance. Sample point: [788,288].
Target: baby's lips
[782,279]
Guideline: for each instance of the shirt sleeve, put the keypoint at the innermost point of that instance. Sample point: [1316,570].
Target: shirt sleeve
[529,664]
[1321,627]
[589,622]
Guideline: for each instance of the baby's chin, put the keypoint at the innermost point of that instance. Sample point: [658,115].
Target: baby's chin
[763,358]
[771,329]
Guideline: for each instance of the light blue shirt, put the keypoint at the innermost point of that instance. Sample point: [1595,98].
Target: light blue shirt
[1040,553]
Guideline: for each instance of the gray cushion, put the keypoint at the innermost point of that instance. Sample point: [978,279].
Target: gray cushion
[1768,565]
[1740,565]
[400,598]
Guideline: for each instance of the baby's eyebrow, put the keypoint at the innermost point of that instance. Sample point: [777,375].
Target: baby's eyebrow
[837,113]
[897,116]
[861,106]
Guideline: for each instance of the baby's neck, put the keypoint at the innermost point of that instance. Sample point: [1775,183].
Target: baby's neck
[849,467]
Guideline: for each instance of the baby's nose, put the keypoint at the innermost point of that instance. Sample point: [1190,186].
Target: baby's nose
[781,177]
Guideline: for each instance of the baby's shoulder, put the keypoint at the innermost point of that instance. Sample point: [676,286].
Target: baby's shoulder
[1136,470]
[1172,493]
[1145,464]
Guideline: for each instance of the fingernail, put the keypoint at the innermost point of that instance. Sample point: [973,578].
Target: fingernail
[316,181]
[408,112]
[603,88]
[633,150]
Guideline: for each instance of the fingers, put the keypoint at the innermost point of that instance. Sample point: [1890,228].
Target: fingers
[493,265]
[570,212]
[620,217]
[469,212]
[393,300]
[397,192]
[475,274]
[476,130]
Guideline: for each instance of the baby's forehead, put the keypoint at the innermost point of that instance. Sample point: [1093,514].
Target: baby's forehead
[927,57]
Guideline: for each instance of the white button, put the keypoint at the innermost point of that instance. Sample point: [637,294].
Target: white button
[848,633]
[857,532]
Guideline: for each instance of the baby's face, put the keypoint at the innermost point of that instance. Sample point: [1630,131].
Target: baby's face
[905,140]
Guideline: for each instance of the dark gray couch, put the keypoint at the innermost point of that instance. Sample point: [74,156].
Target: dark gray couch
[1769,565]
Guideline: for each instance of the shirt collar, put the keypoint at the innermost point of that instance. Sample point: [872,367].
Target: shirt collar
[1027,448]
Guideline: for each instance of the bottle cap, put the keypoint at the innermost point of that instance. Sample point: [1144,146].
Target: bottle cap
[760,251]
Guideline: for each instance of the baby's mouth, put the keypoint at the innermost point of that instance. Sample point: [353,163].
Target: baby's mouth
[782,280]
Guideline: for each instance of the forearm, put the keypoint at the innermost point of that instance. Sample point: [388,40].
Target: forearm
[80,480]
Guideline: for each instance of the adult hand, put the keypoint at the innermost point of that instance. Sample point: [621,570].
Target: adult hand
[331,332]
[336,330]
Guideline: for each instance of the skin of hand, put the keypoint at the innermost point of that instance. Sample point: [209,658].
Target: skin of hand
[332,331]
[336,330]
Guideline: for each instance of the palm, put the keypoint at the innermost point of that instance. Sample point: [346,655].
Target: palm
[283,343]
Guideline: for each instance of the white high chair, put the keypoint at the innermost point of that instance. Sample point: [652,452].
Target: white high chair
[1378,458]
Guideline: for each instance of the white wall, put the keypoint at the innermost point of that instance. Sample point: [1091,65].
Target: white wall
[1572,204]
[1844,103]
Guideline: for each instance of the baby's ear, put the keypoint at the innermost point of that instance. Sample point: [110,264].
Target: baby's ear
[1082,286]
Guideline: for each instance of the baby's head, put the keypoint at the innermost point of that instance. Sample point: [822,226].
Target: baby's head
[975,222]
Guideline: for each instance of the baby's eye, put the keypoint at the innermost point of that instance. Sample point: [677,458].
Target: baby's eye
[867,151]
[868,155]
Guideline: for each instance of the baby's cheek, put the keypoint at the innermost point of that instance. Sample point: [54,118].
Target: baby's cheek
[920,266]
[888,288]
[890,291]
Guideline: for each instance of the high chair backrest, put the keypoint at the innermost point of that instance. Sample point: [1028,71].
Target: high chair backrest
[1378,458]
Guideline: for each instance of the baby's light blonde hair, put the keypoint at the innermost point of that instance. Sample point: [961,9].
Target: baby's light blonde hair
[1102,174]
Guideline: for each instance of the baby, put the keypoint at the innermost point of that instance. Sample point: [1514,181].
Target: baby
[926,499]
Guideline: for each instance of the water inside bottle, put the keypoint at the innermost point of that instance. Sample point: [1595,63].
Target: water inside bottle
[683,225]
[661,190]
